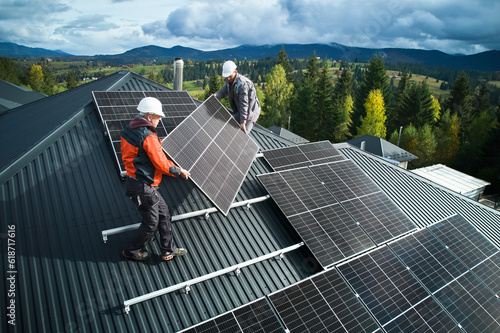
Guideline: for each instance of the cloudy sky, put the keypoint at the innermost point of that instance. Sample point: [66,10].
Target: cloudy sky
[92,27]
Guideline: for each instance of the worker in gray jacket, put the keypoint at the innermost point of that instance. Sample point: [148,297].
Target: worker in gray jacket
[242,96]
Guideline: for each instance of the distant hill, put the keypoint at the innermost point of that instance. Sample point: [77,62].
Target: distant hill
[15,50]
[486,61]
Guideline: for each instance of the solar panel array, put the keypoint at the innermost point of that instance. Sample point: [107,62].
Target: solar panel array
[324,225]
[336,209]
[118,108]
[212,146]
[303,155]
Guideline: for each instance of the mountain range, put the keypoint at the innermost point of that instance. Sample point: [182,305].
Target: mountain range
[485,61]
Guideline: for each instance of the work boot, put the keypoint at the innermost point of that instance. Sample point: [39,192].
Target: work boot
[167,255]
[140,256]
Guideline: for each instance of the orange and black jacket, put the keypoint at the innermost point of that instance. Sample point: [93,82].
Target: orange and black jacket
[142,154]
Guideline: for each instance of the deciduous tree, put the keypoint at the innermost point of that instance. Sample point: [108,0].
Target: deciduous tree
[278,92]
[374,121]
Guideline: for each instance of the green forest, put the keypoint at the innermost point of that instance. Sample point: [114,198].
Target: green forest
[439,114]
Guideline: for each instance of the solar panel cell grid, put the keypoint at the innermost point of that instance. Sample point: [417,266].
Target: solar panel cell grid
[463,240]
[345,179]
[489,273]
[472,305]
[383,283]
[302,155]
[303,309]
[426,316]
[258,317]
[428,259]
[349,310]
[379,217]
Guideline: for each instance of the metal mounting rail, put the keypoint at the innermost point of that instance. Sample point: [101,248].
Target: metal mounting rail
[205,212]
[236,269]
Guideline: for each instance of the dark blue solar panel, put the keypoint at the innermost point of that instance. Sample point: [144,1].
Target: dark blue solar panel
[303,309]
[426,316]
[463,240]
[428,259]
[472,305]
[346,306]
[386,287]
[302,155]
[345,179]
[379,217]
[212,146]
[489,273]
[255,317]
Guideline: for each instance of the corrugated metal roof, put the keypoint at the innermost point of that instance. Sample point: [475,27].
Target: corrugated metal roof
[68,192]
[12,96]
[425,202]
[450,178]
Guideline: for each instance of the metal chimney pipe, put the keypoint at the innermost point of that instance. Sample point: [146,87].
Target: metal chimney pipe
[362,145]
[178,68]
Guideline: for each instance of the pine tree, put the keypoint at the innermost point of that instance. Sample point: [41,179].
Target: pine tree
[374,78]
[417,106]
[71,80]
[285,63]
[343,106]
[374,122]
[447,136]
[323,106]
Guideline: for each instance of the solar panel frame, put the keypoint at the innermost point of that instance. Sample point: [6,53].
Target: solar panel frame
[302,155]
[118,108]
[212,146]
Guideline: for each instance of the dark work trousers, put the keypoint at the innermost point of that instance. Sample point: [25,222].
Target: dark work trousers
[155,215]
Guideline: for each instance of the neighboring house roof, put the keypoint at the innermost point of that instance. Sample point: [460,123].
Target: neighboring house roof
[287,134]
[12,96]
[381,147]
[60,188]
[450,178]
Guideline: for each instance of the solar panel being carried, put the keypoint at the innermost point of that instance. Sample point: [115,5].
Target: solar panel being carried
[213,147]
[302,155]
[118,108]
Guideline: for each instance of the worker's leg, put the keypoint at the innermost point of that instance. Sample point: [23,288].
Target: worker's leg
[167,242]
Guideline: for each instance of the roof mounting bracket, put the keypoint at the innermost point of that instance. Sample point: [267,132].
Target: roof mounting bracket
[127,309]
[248,206]
[207,215]
[280,257]
[237,272]
[104,238]
[187,289]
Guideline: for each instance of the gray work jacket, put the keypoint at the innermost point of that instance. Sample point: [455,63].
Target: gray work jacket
[243,99]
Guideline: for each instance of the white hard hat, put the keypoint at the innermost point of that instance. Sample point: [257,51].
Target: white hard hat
[228,68]
[150,105]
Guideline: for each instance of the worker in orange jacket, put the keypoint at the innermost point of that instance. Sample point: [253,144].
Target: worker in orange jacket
[146,163]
